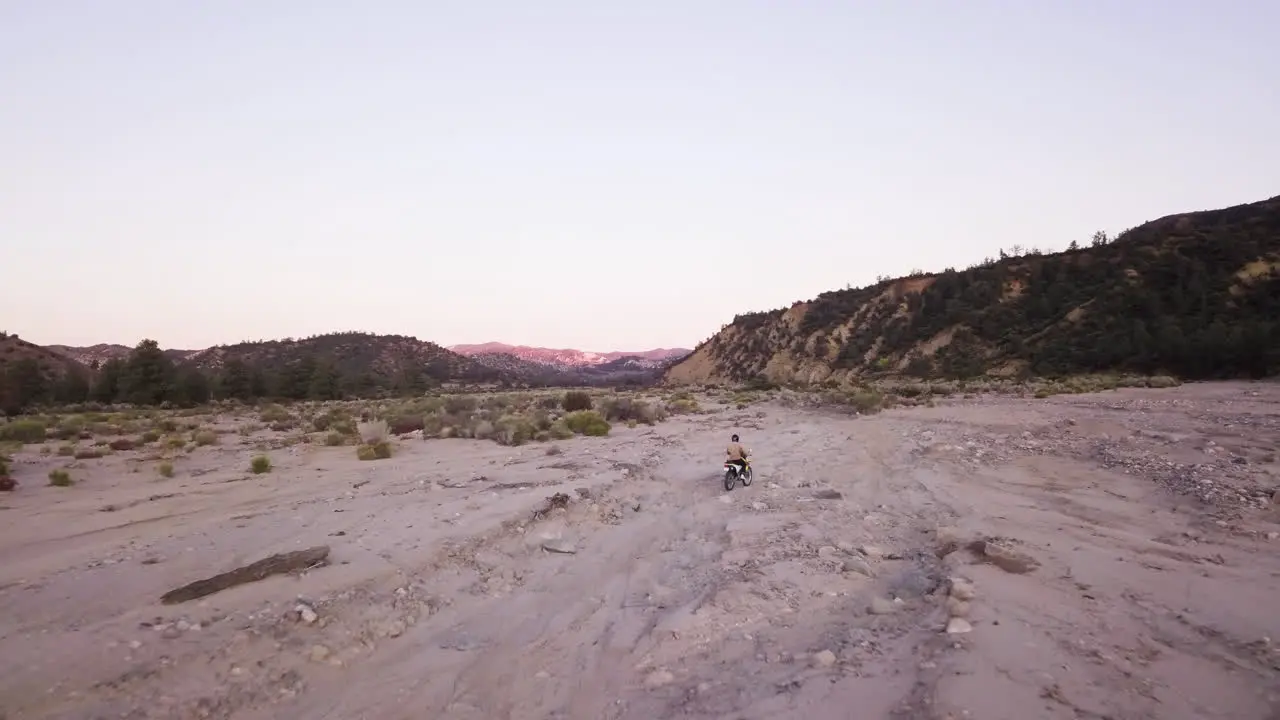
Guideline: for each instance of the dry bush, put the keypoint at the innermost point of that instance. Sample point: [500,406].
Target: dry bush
[405,424]
[273,414]
[89,454]
[380,450]
[122,444]
[165,469]
[60,478]
[22,431]
[576,400]
[373,432]
[203,438]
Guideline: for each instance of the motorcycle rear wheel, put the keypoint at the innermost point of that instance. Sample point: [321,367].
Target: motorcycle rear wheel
[730,479]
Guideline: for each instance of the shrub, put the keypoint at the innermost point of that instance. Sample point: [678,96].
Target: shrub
[276,414]
[66,450]
[165,469]
[122,444]
[334,439]
[683,406]
[405,424]
[587,422]
[373,432]
[458,404]
[1163,381]
[88,454]
[204,437]
[60,478]
[554,450]
[576,400]
[560,430]
[514,430]
[374,451]
[22,431]
[149,437]
[260,464]
[68,428]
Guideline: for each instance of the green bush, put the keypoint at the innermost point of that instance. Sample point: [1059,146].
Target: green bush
[576,401]
[334,439]
[60,478]
[272,414]
[165,469]
[260,464]
[514,430]
[22,431]
[587,422]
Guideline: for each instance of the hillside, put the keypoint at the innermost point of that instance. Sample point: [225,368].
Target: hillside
[357,362]
[566,358]
[1195,295]
[29,371]
[96,355]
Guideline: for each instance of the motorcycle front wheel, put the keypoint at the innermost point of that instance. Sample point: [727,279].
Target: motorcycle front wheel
[730,479]
[746,477]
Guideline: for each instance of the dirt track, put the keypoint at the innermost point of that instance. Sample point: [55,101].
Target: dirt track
[816,593]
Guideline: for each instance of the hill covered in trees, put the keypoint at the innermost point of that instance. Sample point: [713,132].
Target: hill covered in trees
[323,367]
[1196,295]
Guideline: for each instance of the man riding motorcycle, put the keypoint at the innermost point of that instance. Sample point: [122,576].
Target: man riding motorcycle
[737,454]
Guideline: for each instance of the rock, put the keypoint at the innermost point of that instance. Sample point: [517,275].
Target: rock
[882,606]
[827,494]
[958,626]
[559,545]
[318,653]
[1008,559]
[857,565]
[871,551]
[305,613]
[171,632]
[962,589]
[658,678]
[826,658]
[913,582]
[1273,535]
[957,607]
[392,629]
[948,540]
[759,506]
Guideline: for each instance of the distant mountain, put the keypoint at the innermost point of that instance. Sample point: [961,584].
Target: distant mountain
[1195,295]
[567,358]
[95,355]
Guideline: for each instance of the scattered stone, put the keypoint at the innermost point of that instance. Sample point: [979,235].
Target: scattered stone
[1273,535]
[949,539]
[392,629]
[759,506]
[962,589]
[958,626]
[559,545]
[859,566]
[305,613]
[827,494]
[171,632]
[825,658]
[1006,558]
[957,607]
[273,565]
[871,551]
[882,606]
[318,653]
[658,678]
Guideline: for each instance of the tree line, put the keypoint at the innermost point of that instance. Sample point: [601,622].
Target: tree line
[147,376]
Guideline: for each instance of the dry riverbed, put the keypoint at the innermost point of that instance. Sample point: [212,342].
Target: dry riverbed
[1111,555]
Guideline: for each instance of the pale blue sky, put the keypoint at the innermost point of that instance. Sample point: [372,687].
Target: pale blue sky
[592,174]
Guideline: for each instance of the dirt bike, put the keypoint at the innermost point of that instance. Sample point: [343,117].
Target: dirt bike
[732,474]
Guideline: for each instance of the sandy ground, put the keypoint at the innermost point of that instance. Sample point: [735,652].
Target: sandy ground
[821,591]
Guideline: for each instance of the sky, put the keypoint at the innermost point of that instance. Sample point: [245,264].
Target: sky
[588,174]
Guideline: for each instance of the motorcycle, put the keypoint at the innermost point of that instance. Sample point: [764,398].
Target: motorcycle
[733,474]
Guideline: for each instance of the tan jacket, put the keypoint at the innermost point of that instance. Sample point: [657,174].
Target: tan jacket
[736,451]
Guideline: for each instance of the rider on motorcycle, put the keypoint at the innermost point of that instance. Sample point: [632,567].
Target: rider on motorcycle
[737,454]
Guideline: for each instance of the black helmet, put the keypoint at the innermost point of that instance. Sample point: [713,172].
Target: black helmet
[735,438]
